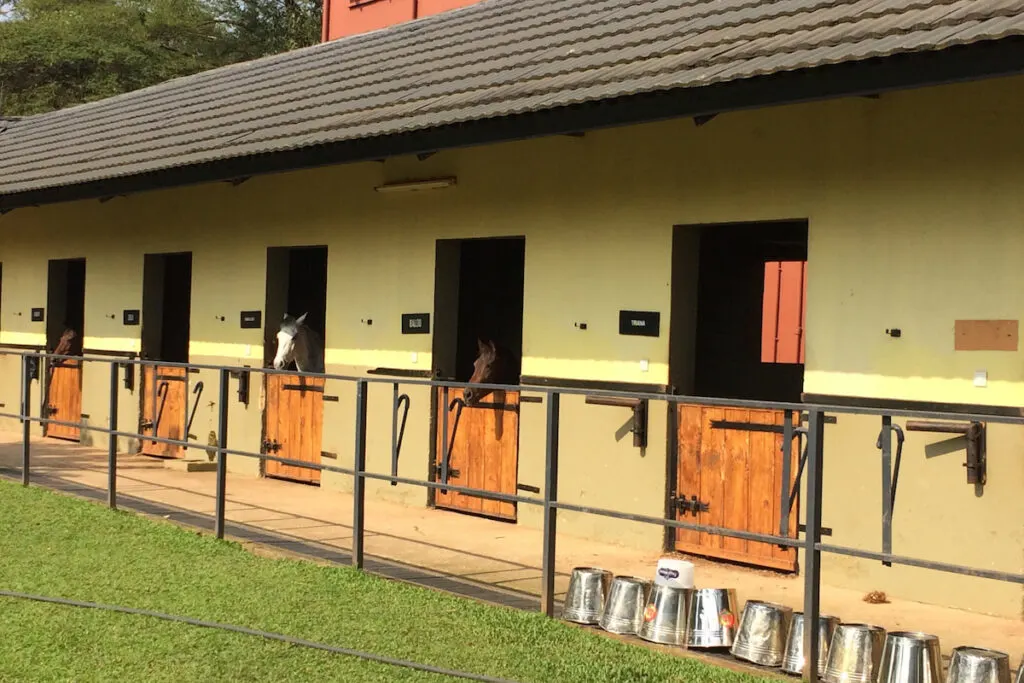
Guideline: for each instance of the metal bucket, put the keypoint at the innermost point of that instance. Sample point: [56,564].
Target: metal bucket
[978,665]
[854,654]
[794,659]
[761,635]
[664,616]
[711,620]
[910,657]
[585,599]
[1020,672]
[624,609]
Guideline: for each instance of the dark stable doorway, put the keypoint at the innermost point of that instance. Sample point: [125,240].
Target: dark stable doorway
[65,300]
[721,282]
[296,284]
[478,295]
[167,306]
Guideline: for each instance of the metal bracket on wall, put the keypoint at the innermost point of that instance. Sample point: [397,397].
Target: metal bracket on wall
[243,384]
[976,447]
[129,376]
[638,426]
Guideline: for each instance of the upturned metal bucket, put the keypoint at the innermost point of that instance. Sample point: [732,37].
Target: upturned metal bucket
[1020,672]
[854,654]
[978,665]
[585,599]
[910,657]
[711,621]
[624,609]
[761,635]
[664,615]
[794,660]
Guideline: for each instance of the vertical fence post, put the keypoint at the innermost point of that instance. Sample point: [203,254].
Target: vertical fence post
[812,555]
[547,588]
[26,413]
[359,483]
[112,438]
[222,456]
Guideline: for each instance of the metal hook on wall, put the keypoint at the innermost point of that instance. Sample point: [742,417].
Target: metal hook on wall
[890,478]
[397,436]
[198,392]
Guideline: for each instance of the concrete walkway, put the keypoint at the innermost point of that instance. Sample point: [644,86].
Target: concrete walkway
[492,557]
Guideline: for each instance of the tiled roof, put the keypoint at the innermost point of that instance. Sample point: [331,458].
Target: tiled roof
[492,59]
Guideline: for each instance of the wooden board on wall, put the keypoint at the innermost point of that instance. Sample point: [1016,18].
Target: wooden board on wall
[64,398]
[484,453]
[164,406]
[986,335]
[294,418]
[738,474]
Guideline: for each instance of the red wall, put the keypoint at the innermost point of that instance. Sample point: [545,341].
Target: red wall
[349,17]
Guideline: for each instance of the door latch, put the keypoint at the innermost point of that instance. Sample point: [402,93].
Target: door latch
[271,446]
[693,505]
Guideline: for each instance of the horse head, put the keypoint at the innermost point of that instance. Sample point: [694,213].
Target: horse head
[286,335]
[490,367]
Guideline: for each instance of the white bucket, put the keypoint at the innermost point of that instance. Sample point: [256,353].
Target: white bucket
[674,572]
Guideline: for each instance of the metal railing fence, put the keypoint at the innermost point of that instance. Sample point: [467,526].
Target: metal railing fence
[811,461]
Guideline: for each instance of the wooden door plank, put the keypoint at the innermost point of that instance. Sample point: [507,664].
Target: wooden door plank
[688,469]
[735,480]
[711,485]
[763,497]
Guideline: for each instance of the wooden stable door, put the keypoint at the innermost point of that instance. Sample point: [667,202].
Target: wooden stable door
[164,409]
[484,451]
[293,425]
[735,474]
[64,398]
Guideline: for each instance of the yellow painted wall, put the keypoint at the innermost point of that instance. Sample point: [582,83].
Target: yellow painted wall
[914,209]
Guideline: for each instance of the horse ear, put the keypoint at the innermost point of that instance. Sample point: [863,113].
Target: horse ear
[285,317]
[479,345]
[302,318]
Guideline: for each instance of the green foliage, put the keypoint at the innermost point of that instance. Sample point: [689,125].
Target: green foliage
[57,546]
[58,53]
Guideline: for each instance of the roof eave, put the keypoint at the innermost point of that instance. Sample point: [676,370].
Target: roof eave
[991,59]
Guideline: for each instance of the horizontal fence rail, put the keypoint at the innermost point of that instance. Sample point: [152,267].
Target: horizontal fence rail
[811,466]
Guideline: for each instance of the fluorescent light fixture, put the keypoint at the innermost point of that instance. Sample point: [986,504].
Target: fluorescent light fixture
[414,185]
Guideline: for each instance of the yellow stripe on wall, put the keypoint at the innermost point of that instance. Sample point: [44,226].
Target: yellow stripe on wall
[122,344]
[601,370]
[379,358]
[225,350]
[26,338]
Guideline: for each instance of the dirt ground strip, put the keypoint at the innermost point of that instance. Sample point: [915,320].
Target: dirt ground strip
[470,550]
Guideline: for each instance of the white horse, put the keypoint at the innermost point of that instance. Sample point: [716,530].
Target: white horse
[296,342]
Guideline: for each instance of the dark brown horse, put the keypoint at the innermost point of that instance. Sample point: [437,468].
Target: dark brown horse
[494,364]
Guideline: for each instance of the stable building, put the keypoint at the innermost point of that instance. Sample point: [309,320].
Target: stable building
[805,202]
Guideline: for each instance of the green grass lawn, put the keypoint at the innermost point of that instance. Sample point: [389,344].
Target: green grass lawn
[51,544]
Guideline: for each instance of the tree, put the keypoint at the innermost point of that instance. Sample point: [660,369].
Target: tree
[265,27]
[58,53]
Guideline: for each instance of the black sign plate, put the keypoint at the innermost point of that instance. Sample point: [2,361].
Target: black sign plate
[252,320]
[131,316]
[37,315]
[640,323]
[415,323]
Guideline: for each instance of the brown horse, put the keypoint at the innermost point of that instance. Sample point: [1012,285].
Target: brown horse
[69,344]
[494,364]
